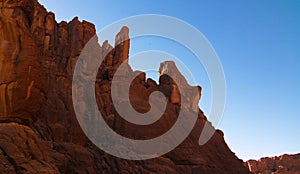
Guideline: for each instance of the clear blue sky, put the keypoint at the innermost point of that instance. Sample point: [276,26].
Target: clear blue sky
[258,43]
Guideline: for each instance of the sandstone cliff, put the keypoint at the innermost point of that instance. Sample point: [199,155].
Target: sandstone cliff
[284,164]
[39,132]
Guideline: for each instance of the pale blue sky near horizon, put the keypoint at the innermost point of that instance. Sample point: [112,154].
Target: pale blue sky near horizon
[258,43]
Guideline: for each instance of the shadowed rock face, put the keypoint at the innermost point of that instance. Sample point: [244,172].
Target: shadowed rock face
[38,128]
[285,164]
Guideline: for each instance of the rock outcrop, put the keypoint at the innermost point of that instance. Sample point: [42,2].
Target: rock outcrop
[39,132]
[284,164]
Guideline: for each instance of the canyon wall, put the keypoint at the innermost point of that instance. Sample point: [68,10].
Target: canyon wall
[39,132]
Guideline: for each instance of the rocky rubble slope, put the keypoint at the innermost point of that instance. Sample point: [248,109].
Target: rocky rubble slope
[39,132]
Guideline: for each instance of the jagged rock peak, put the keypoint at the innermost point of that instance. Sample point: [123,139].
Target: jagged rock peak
[122,45]
[169,68]
[122,36]
[170,77]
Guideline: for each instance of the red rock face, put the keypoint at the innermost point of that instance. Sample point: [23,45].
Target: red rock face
[38,128]
[285,164]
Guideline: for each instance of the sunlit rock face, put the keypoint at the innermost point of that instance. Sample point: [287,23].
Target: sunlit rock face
[285,164]
[39,132]
[22,79]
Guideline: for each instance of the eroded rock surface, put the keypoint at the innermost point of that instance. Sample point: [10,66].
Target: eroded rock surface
[39,132]
[285,164]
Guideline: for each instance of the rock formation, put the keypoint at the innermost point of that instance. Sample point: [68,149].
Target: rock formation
[39,132]
[284,164]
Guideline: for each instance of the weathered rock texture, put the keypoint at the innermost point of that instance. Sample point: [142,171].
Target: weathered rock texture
[285,164]
[39,132]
